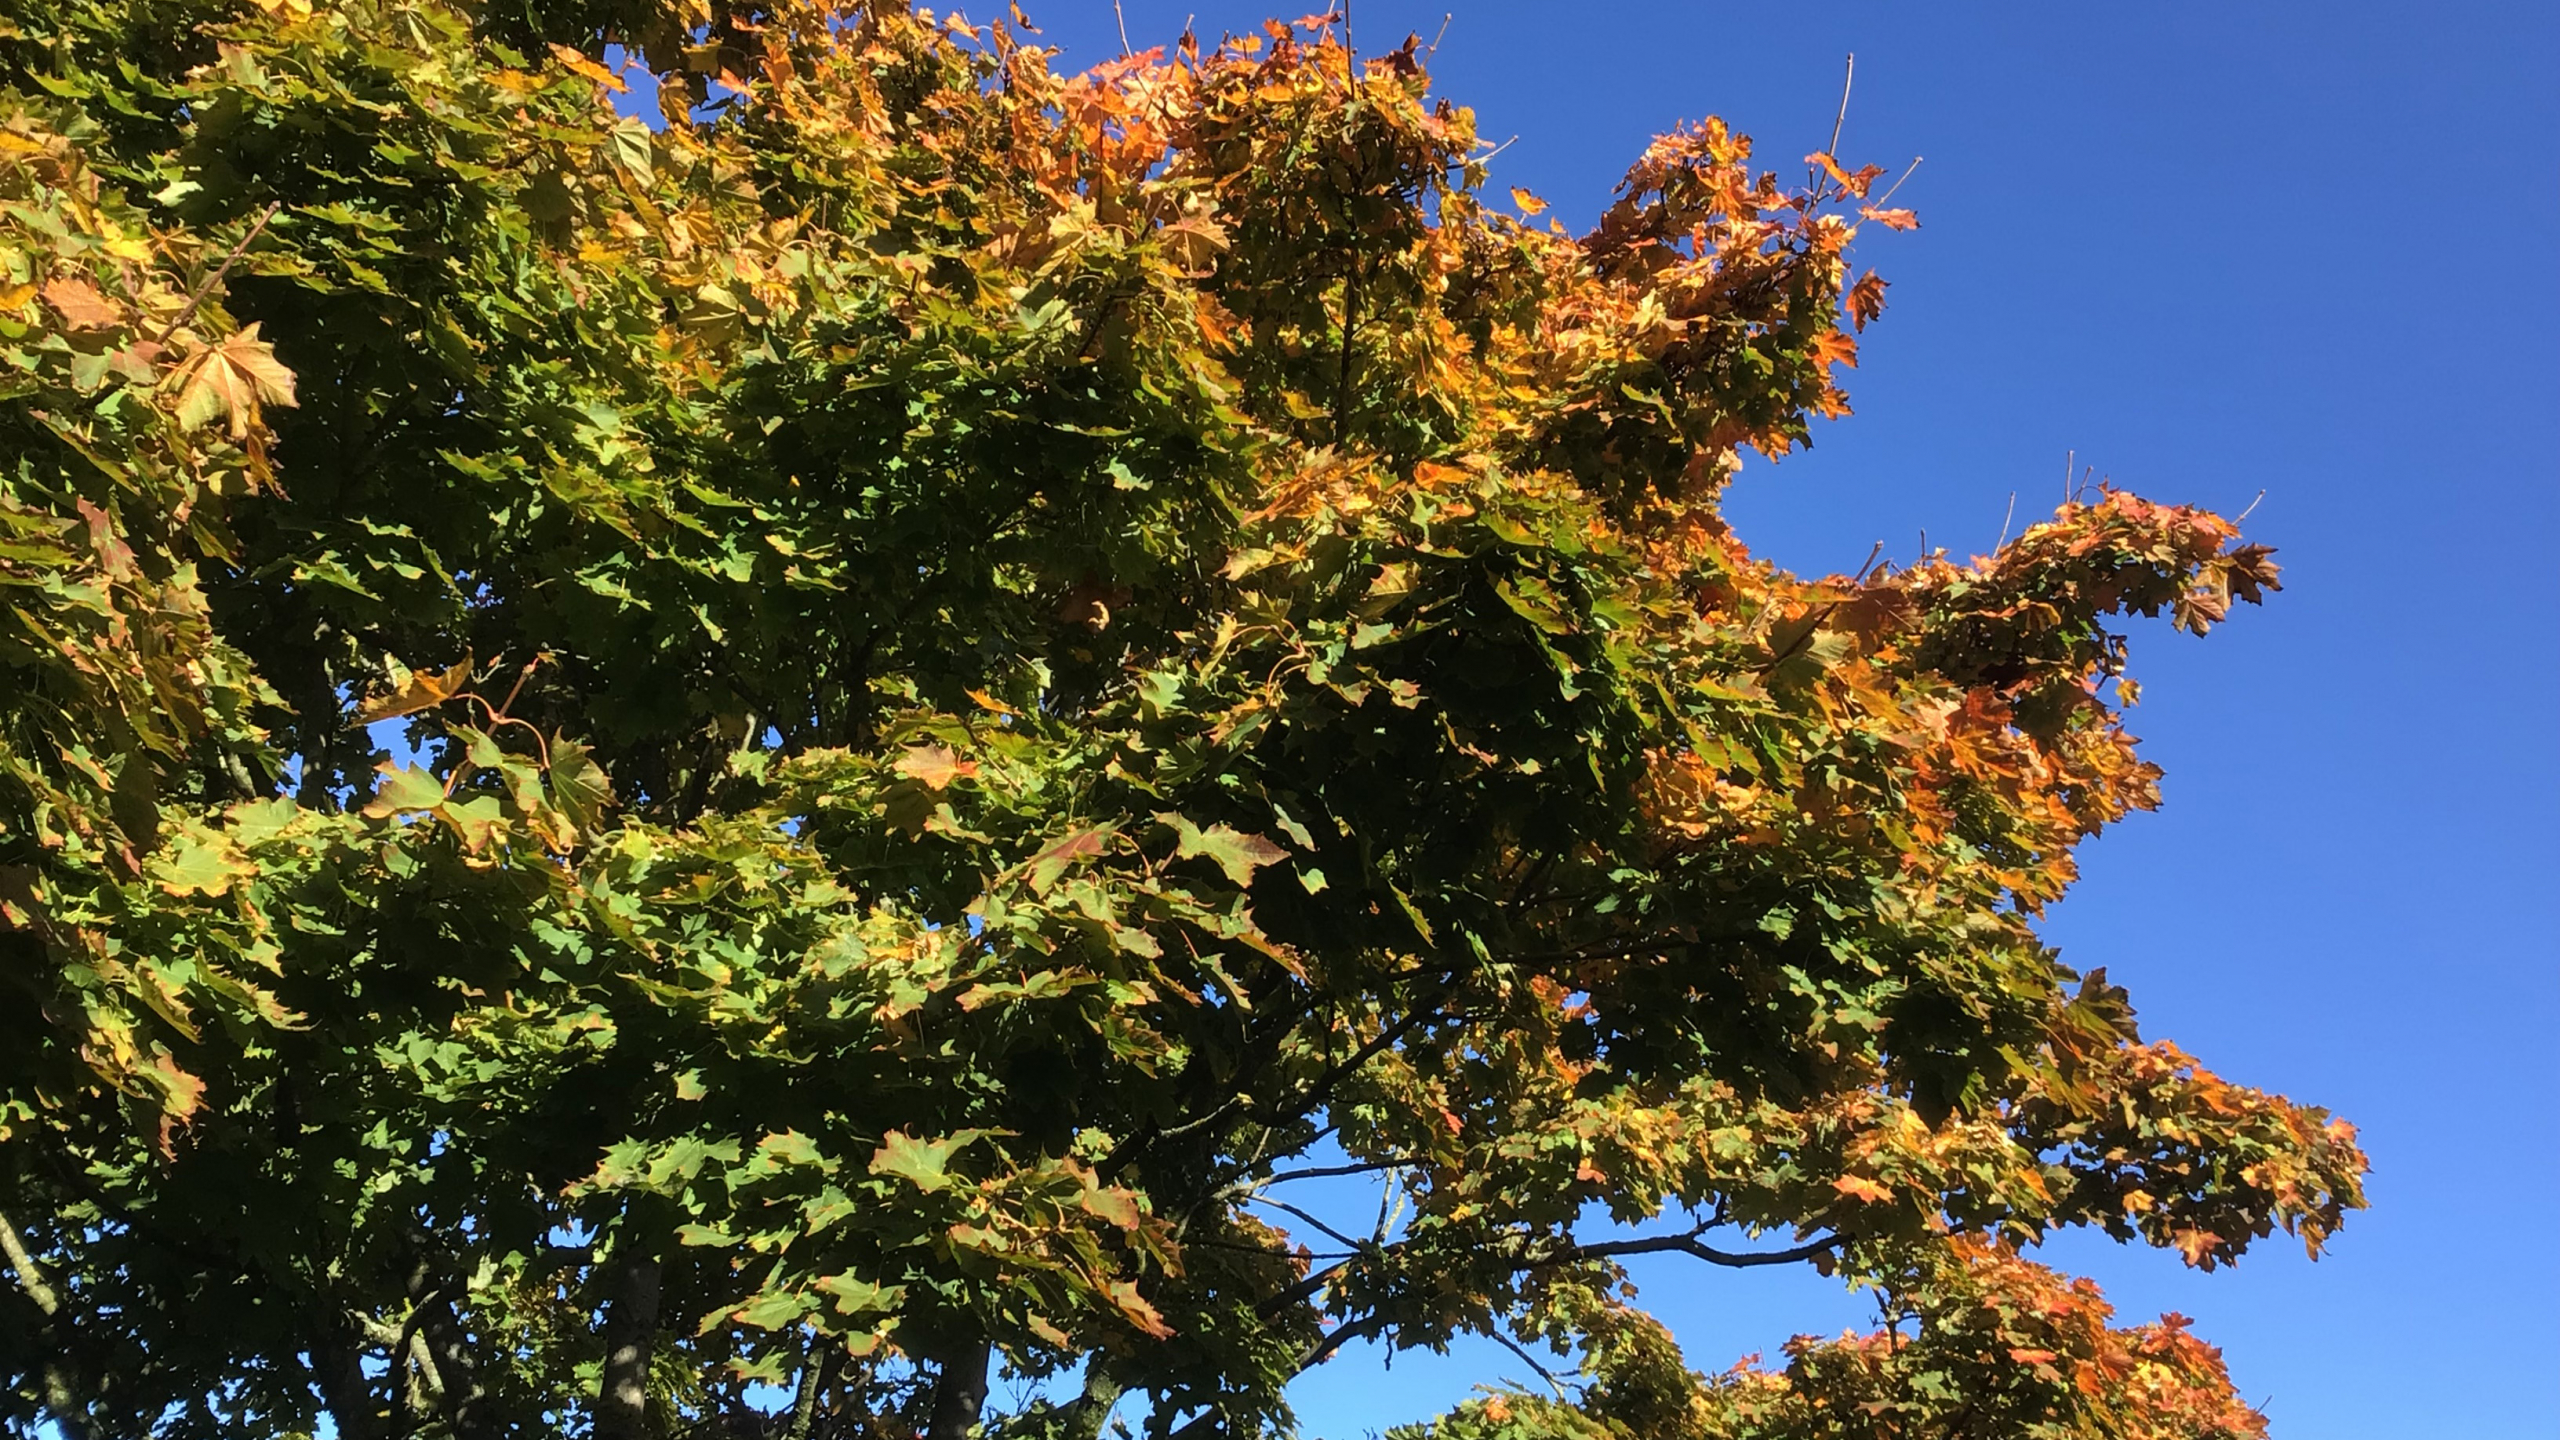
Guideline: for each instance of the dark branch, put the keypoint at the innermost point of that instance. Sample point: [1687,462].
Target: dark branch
[1690,1244]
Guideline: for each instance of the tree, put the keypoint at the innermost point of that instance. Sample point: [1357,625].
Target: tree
[794,753]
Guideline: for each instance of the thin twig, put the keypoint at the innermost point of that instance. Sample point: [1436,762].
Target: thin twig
[1322,1171]
[1879,201]
[2253,506]
[1337,1236]
[1350,332]
[1445,18]
[2004,522]
[1125,52]
[521,676]
[499,717]
[1507,1343]
[1868,563]
[1848,76]
[187,311]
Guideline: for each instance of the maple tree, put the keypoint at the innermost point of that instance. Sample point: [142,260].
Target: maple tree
[713,778]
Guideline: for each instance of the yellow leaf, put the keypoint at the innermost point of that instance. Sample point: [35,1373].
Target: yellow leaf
[233,378]
[580,65]
[424,691]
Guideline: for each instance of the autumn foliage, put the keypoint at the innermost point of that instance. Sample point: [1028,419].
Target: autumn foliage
[712,777]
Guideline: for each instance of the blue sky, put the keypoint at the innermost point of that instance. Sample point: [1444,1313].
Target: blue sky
[2212,249]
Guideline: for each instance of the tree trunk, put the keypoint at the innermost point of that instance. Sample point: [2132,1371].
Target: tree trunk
[961,1392]
[464,1398]
[337,1371]
[630,1338]
[1092,1409]
[61,1392]
[817,1372]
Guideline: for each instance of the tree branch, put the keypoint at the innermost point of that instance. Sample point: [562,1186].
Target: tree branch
[1690,1244]
[61,1395]
[1340,1238]
[1365,1328]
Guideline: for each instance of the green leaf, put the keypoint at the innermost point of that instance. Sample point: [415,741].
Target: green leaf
[578,785]
[772,1310]
[1236,853]
[403,789]
[856,1297]
[631,143]
[200,864]
[1075,848]
[920,1162]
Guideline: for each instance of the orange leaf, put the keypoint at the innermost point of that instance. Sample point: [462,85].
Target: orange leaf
[1894,219]
[935,765]
[425,690]
[580,65]
[81,306]
[1866,299]
[1125,1294]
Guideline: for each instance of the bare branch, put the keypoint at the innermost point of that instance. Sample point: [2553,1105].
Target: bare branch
[1336,1235]
[1690,1244]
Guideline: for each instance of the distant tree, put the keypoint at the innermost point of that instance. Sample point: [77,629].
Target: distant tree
[995,668]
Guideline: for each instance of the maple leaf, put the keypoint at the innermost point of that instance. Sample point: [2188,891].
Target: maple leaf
[196,864]
[1866,299]
[577,63]
[1858,1187]
[935,765]
[1079,845]
[80,304]
[233,378]
[855,1296]
[1110,1203]
[421,690]
[921,1163]
[404,788]
[1235,852]
[1891,219]
[578,784]
[1134,1306]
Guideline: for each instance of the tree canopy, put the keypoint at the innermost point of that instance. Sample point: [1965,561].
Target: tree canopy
[712,778]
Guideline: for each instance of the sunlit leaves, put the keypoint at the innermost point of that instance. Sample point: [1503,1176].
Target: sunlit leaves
[231,381]
[1059,638]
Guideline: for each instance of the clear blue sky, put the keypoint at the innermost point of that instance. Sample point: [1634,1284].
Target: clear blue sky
[2213,248]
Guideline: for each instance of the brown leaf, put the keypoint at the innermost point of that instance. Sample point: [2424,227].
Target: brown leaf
[1866,299]
[233,378]
[80,305]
